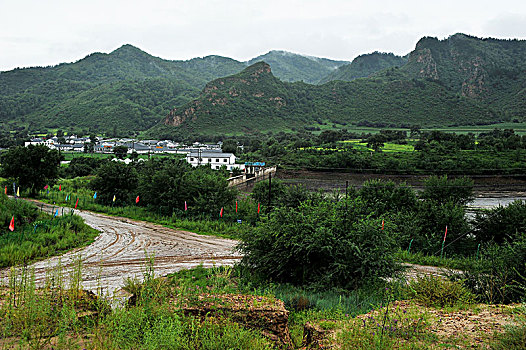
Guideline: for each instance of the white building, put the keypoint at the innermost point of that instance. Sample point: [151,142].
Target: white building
[215,159]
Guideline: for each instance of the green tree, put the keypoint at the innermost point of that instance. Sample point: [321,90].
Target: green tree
[120,151]
[440,189]
[115,179]
[326,244]
[31,167]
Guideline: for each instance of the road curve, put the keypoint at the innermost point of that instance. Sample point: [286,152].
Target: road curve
[119,252]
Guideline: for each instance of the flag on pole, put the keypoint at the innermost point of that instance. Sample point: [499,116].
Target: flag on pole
[76,203]
[5,190]
[236,207]
[66,198]
[60,187]
[221,212]
[258,208]
[95,195]
[445,234]
[137,200]
[114,198]
[12,224]
[46,187]
[382,224]
[18,191]
[185,206]
[56,213]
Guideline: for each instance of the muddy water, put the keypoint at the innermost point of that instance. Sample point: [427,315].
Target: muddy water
[490,191]
[120,250]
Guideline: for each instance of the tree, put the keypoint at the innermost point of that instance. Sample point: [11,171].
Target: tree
[326,244]
[115,179]
[229,146]
[120,151]
[442,190]
[376,142]
[31,167]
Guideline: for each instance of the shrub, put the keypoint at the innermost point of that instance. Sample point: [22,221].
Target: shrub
[501,224]
[439,292]
[442,190]
[325,243]
[500,274]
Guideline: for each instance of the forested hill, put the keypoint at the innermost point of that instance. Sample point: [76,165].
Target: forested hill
[488,70]
[461,80]
[364,66]
[125,91]
[118,93]
[292,67]
[255,100]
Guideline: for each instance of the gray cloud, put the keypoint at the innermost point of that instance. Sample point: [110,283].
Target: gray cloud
[35,32]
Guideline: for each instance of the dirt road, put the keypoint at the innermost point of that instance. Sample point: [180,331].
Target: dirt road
[120,250]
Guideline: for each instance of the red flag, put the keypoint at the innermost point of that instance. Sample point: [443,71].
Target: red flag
[5,191]
[445,234]
[258,208]
[60,187]
[45,187]
[236,206]
[76,203]
[221,212]
[382,224]
[137,200]
[12,224]
[185,206]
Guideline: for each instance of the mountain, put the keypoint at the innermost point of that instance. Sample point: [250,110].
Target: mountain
[364,66]
[255,100]
[125,91]
[291,67]
[491,71]
[117,93]
[461,80]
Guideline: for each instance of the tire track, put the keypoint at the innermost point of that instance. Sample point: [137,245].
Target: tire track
[120,250]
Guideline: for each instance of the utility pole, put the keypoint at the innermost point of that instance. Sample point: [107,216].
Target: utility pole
[269,191]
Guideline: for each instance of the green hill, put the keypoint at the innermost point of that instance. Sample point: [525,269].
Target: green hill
[123,92]
[488,70]
[126,90]
[364,66]
[255,100]
[292,67]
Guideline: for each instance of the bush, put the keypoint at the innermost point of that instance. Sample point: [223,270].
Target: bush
[325,243]
[500,275]
[439,292]
[501,224]
[442,190]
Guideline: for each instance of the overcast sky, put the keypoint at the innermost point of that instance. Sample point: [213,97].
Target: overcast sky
[48,32]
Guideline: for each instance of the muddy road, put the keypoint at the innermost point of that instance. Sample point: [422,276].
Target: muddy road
[120,251]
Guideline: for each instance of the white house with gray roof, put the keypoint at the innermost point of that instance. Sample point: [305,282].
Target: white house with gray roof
[215,159]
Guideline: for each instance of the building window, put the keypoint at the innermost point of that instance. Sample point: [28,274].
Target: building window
[209,160]
[217,160]
[191,159]
[217,166]
[224,160]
